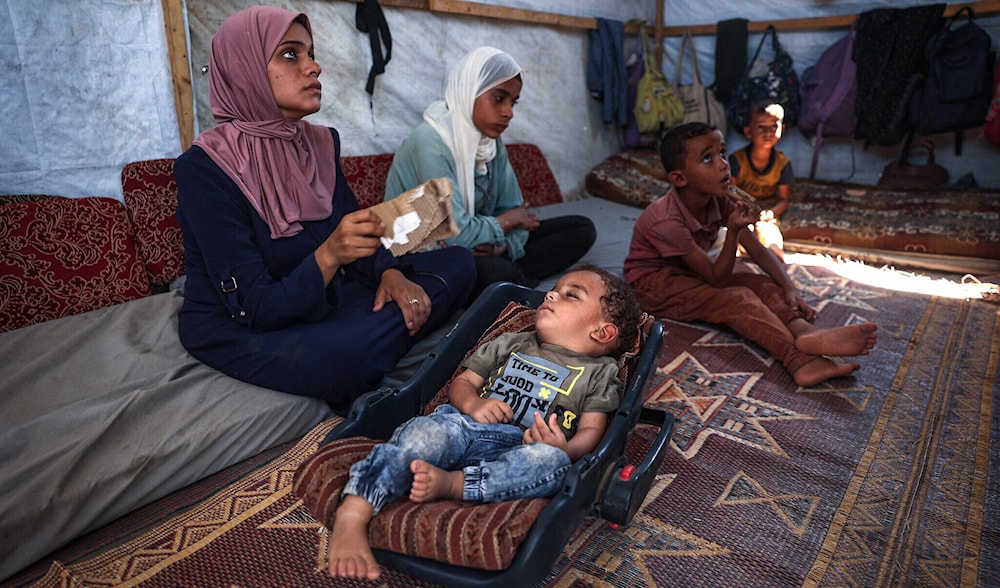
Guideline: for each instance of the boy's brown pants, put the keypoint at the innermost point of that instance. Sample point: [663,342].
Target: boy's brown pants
[753,305]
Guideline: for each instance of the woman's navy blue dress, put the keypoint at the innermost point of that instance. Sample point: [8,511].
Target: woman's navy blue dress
[256,308]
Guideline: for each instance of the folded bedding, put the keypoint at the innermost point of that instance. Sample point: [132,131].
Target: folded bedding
[104,412]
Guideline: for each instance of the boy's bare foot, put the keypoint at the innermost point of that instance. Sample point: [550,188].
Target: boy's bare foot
[432,483]
[822,369]
[838,341]
[349,554]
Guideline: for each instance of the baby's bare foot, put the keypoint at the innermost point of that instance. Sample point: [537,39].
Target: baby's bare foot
[822,369]
[433,483]
[838,341]
[349,554]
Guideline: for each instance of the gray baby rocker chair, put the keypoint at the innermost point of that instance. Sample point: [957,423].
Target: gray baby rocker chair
[505,544]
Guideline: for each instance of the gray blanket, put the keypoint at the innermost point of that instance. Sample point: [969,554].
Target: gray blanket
[103,412]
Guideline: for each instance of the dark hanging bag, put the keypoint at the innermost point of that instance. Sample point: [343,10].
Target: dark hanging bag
[956,90]
[763,81]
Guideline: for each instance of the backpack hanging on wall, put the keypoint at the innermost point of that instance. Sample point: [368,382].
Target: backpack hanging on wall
[774,81]
[827,93]
[956,90]
[656,105]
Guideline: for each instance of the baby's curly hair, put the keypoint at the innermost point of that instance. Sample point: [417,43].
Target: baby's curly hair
[620,307]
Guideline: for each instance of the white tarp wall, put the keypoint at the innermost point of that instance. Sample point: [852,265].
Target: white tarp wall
[87,85]
[555,111]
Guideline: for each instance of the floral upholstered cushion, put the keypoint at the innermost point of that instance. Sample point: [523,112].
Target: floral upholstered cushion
[151,199]
[65,256]
[634,177]
[366,176]
[940,222]
[538,183]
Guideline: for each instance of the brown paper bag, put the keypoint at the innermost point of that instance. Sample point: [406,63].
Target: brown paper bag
[419,218]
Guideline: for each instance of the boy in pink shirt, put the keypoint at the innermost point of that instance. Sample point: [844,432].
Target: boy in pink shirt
[674,277]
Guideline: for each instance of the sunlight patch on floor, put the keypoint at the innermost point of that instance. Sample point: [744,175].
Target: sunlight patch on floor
[890,278]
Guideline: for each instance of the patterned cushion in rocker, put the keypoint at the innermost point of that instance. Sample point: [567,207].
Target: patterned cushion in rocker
[65,256]
[150,193]
[470,535]
[483,536]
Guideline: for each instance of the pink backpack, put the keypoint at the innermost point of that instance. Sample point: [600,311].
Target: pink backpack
[991,128]
[827,91]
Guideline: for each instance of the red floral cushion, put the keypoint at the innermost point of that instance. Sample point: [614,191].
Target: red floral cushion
[538,183]
[151,199]
[366,176]
[65,256]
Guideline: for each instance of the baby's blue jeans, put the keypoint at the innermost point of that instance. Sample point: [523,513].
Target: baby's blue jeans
[496,464]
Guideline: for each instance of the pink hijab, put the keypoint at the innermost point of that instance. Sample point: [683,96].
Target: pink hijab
[283,166]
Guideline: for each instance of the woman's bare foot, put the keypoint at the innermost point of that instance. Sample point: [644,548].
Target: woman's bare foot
[838,341]
[349,554]
[822,369]
[433,483]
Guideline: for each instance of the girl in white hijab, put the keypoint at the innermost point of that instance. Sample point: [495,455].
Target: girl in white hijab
[460,139]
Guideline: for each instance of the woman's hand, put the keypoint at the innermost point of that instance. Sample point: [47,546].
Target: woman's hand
[409,296]
[521,217]
[357,235]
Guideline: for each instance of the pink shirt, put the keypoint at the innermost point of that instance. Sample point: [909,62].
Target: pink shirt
[667,230]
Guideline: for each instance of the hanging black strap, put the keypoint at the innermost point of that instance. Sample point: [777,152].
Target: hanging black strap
[368,18]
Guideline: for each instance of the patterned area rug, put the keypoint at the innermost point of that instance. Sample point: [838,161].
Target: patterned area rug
[889,477]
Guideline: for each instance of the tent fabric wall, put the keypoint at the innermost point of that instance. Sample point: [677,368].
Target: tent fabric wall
[555,110]
[86,89]
[87,84]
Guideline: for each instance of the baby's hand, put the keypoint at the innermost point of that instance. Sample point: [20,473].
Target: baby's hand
[548,433]
[491,410]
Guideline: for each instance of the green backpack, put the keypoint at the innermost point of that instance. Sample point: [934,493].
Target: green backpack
[656,106]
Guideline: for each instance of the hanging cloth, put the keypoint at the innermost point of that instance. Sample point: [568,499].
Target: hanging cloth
[606,77]
[369,18]
[730,56]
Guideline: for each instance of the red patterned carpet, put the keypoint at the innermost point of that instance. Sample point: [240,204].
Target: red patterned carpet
[890,477]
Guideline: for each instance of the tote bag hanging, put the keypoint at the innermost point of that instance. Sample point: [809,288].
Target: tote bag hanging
[700,103]
[763,81]
[656,105]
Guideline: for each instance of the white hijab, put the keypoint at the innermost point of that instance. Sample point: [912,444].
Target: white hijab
[478,72]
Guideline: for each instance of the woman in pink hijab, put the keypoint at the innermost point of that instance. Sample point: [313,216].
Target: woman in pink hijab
[288,286]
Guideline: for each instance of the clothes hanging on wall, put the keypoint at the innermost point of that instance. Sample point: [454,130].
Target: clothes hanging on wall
[369,18]
[889,53]
[730,56]
[606,76]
